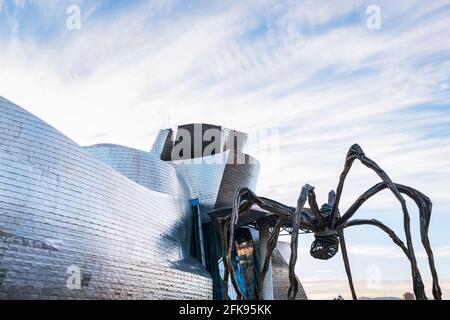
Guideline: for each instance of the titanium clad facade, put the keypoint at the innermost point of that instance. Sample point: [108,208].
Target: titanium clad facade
[214,179]
[203,175]
[111,222]
[73,227]
[142,167]
[242,173]
[234,140]
[162,146]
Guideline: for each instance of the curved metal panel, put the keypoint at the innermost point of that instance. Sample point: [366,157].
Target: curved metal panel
[203,176]
[243,172]
[73,227]
[142,167]
[215,179]
[162,142]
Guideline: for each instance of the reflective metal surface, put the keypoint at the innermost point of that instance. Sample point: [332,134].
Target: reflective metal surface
[106,221]
[73,227]
[145,168]
[203,176]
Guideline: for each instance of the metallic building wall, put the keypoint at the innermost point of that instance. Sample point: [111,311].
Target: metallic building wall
[163,142]
[142,167]
[203,176]
[61,208]
[214,181]
[234,140]
[244,173]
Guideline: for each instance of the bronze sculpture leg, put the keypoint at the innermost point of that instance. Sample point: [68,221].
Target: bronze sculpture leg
[293,288]
[347,263]
[270,247]
[354,153]
[423,203]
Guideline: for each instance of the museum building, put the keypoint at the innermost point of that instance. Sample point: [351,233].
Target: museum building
[112,222]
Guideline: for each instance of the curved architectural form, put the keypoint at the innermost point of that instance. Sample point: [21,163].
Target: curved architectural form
[203,180]
[111,222]
[237,176]
[162,146]
[73,227]
[215,168]
[142,167]
[215,180]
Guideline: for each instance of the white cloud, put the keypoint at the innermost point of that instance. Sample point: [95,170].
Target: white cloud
[392,251]
[376,250]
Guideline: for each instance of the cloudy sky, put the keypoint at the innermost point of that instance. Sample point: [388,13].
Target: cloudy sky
[316,72]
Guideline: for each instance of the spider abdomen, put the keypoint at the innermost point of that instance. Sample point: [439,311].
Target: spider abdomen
[325,245]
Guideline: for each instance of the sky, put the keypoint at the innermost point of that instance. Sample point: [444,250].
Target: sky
[319,73]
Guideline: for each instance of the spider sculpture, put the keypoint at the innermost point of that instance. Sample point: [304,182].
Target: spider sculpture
[327,224]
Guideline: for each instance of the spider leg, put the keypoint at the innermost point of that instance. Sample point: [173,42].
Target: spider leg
[266,204]
[347,263]
[222,230]
[223,226]
[252,198]
[226,269]
[386,229]
[356,152]
[331,197]
[314,207]
[337,197]
[376,223]
[423,203]
[424,223]
[270,247]
[293,288]
[283,214]
[331,200]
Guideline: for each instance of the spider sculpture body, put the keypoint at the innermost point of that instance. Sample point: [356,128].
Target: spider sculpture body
[328,226]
